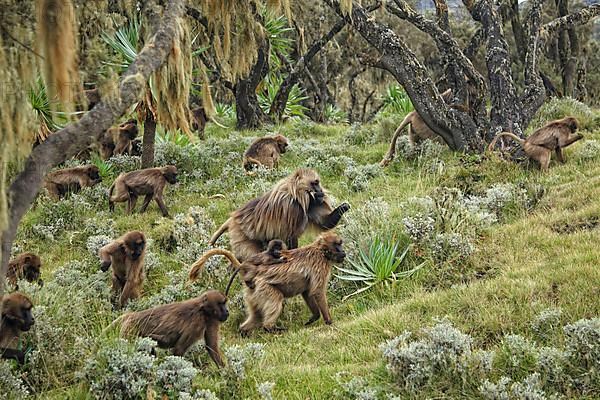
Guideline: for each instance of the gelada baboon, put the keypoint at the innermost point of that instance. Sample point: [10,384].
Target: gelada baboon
[285,212]
[178,326]
[417,131]
[305,272]
[24,266]
[126,255]
[265,151]
[274,254]
[71,180]
[16,318]
[200,121]
[149,182]
[118,140]
[551,137]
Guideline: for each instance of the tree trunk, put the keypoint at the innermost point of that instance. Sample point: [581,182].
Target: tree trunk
[148,140]
[78,135]
[567,51]
[456,128]
[517,29]
[353,96]
[281,98]
[249,113]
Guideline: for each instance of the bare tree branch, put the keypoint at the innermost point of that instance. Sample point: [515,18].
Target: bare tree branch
[568,21]
[456,128]
[478,38]
[68,141]
[535,93]
[286,86]
[445,43]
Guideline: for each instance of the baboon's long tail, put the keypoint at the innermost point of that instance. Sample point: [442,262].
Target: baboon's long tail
[198,265]
[392,150]
[219,232]
[111,205]
[510,135]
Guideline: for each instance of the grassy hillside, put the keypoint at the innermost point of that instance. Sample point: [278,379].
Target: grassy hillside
[507,266]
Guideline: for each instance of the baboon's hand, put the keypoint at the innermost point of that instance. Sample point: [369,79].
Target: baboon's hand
[105,266]
[40,282]
[312,320]
[328,321]
[344,207]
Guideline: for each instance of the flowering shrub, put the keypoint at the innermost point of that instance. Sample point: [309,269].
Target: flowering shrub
[124,163]
[444,351]
[239,359]
[265,389]
[95,243]
[11,385]
[591,151]
[121,370]
[445,357]
[546,322]
[557,108]
[529,389]
[582,348]
[175,374]
[359,176]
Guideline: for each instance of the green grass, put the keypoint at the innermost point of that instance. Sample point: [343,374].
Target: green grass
[545,258]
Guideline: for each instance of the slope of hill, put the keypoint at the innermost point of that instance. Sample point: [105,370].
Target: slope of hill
[507,267]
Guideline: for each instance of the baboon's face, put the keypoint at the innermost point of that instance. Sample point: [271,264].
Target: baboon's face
[214,305]
[573,124]
[94,174]
[332,247]
[282,143]
[316,191]
[31,270]
[170,174]
[16,308]
[135,244]
[31,267]
[276,247]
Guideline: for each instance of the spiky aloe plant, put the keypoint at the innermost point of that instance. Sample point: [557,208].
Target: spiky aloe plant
[42,107]
[380,263]
[293,107]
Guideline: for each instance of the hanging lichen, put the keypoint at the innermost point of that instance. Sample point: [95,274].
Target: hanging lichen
[207,101]
[17,68]
[278,5]
[57,39]
[346,6]
[172,83]
[233,26]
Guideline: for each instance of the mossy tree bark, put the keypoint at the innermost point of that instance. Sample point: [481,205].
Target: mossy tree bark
[465,128]
[75,137]
[248,111]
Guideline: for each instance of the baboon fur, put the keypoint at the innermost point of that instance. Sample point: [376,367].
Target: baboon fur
[71,180]
[16,318]
[553,136]
[417,131]
[265,151]
[126,256]
[149,182]
[296,203]
[25,266]
[178,326]
[275,253]
[305,271]
[118,140]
